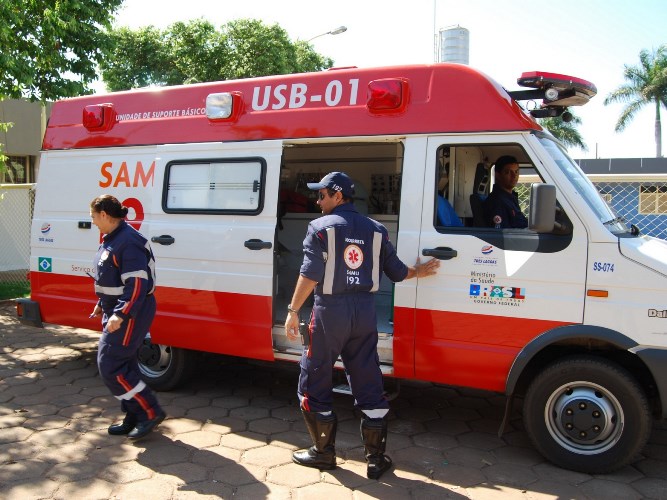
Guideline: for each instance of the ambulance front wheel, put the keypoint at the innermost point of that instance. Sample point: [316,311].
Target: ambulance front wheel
[164,367]
[587,414]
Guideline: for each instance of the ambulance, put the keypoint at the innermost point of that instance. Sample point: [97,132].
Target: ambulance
[568,315]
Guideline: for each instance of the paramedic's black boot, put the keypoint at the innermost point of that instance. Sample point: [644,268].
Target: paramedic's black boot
[374,436]
[144,428]
[322,430]
[128,424]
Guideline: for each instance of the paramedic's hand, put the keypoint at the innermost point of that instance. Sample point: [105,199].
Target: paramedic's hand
[96,312]
[114,323]
[428,268]
[292,326]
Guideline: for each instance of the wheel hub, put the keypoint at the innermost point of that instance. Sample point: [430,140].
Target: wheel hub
[149,354]
[584,415]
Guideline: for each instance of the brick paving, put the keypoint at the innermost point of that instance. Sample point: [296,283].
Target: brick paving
[231,431]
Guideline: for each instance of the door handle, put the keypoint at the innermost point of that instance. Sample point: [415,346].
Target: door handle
[442,253]
[164,239]
[255,244]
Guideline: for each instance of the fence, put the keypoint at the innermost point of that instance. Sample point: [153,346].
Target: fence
[640,200]
[16,207]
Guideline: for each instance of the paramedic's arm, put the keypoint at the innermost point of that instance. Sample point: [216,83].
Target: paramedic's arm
[304,287]
[428,268]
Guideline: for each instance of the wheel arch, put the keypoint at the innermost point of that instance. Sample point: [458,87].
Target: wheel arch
[646,365]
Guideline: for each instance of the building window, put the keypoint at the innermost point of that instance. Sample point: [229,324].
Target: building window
[17,170]
[652,200]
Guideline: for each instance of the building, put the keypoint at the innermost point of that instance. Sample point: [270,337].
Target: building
[22,142]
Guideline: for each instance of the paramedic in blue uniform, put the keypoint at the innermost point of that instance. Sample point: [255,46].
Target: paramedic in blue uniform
[502,205]
[124,284]
[345,253]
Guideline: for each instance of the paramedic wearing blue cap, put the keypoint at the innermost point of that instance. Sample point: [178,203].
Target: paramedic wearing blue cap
[124,283]
[345,253]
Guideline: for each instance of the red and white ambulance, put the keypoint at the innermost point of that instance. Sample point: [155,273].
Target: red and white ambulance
[569,314]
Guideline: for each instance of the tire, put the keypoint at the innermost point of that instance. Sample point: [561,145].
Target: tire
[162,367]
[587,414]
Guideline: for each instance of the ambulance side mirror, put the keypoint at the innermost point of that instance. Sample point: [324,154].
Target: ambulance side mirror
[542,208]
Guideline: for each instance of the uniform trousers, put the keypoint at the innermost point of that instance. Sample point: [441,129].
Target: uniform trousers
[118,364]
[342,325]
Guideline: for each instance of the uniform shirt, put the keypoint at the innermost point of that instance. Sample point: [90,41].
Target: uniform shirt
[125,271]
[502,210]
[346,252]
[447,216]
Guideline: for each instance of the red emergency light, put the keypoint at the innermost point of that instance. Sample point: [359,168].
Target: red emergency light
[99,117]
[389,95]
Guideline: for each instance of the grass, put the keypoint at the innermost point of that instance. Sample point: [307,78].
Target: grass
[14,290]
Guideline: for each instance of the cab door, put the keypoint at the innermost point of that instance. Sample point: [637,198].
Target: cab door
[212,231]
[496,289]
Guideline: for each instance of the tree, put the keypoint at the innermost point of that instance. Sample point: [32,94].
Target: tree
[197,52]
[49,49]
[565,132]
[646,84]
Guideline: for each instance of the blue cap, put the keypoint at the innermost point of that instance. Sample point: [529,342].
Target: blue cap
[338,181]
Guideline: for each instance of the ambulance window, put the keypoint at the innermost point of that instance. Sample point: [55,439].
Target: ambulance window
[214,186]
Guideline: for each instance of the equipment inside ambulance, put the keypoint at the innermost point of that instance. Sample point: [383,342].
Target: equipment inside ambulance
[568,315]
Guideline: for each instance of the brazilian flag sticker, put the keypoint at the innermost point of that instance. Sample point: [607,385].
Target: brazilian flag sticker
[44,264]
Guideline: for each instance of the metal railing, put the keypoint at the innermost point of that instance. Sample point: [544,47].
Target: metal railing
[641,201]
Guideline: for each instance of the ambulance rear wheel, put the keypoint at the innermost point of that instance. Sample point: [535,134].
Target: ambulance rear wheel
[164,367]
[587,414]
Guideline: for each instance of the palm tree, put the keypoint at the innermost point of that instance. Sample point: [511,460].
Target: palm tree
[647,84]
[565,132]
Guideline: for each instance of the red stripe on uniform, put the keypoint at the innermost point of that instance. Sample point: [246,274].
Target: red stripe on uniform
[135,294]
[150,412]
[128,332]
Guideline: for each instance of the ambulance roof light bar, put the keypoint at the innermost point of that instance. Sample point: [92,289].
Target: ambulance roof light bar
[556,91]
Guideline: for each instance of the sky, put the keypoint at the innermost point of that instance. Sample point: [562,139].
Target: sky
[588,39]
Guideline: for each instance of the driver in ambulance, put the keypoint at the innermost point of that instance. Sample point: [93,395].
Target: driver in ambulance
[502,205]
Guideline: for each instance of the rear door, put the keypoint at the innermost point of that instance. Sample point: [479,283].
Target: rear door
[212,232]
[496,288]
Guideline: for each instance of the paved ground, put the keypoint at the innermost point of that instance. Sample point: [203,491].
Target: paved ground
[230,434]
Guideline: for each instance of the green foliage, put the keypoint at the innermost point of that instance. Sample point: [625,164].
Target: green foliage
[14,290]
[646,85]
[195,51]
[50,49]
[565,132]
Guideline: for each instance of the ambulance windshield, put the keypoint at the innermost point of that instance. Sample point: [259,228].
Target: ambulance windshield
[584,186]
